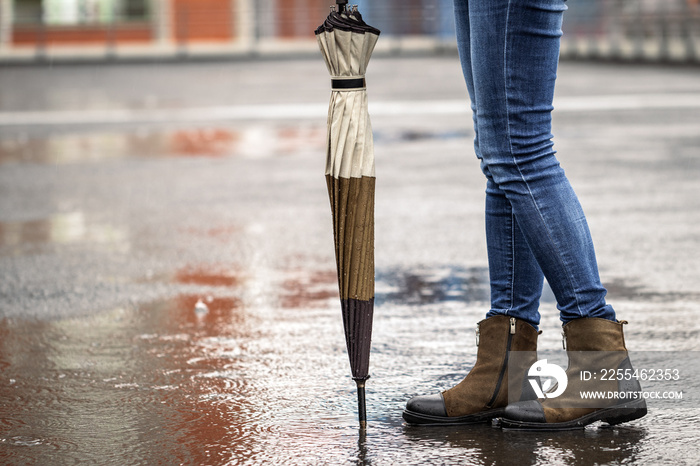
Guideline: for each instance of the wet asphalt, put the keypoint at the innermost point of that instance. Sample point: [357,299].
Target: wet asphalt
[116,177]
[126,188]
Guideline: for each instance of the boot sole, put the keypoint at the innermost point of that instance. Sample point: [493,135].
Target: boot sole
[477,418]
[613,416]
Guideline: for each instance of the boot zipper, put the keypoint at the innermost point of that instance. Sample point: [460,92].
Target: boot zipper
[563,340]
[477,335]
[505,364]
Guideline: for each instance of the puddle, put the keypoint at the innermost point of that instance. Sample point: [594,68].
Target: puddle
[307,290]
[436,285]
[207,276]
[220,379]
[414,135]
[252,141]
[64,228]
[425,286]
[243,141]
[618,289]
[84,389]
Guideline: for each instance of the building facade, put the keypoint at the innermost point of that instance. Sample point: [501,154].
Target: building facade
[42,26]
[120,28]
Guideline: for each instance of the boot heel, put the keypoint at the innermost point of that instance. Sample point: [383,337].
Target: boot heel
[626,412]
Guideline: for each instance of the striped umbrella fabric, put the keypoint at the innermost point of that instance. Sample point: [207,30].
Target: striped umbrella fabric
[346,43]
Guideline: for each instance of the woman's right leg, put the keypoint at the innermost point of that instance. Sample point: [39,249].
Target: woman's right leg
[511,72]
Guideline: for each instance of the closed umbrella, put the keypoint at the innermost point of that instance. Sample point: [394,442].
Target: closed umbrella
[347,42]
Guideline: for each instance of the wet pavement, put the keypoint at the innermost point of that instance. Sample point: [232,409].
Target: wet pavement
[168,289]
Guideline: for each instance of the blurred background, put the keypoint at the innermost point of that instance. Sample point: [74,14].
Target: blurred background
[667,30]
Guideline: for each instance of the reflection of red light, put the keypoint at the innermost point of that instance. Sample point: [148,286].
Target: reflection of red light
[222,311]
[206,277]
[211,142]
[163,372]
[222,233]
[304,292]
[203,409]
[295,139]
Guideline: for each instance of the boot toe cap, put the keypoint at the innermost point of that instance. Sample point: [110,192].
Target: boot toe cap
[525,411]
[432,405]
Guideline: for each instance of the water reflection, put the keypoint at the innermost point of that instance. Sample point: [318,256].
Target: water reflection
[309,289]
[267,382]
[420,134]
[487,446]
[208,275]
[243,141]
[210,142]
[252,141]
[62,228]
[432,285]
[137,382]
[619,289]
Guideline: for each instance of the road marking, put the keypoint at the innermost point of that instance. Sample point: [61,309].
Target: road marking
[600,103]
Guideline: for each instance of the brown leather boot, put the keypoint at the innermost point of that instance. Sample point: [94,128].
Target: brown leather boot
[483,394]
[598,363]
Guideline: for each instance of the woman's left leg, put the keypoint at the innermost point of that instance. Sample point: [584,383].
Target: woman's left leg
[516,285]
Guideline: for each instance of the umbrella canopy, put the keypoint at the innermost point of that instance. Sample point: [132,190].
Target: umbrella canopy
[347,42]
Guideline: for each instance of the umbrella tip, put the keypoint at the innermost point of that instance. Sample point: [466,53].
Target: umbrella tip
[361,404]
[341,4]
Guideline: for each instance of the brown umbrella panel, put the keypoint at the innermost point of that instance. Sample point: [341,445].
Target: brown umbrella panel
[352,203]
[347,44]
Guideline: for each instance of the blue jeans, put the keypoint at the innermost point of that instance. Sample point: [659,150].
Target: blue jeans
[535,226]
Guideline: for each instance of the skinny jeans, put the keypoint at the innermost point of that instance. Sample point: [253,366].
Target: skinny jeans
[535,226]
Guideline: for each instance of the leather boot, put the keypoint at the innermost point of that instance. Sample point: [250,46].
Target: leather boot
[483,394]
[598,362]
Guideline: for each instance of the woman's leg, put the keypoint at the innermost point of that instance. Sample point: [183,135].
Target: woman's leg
[512,65]
[516,284]
[515,277]
[514,57]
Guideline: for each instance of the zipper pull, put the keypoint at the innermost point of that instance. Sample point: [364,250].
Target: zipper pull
[512,325]
[563,340]
[477,335]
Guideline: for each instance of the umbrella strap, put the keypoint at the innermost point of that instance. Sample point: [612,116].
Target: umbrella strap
[348,83]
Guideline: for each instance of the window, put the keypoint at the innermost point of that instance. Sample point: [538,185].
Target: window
[27,11]
[74,12]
